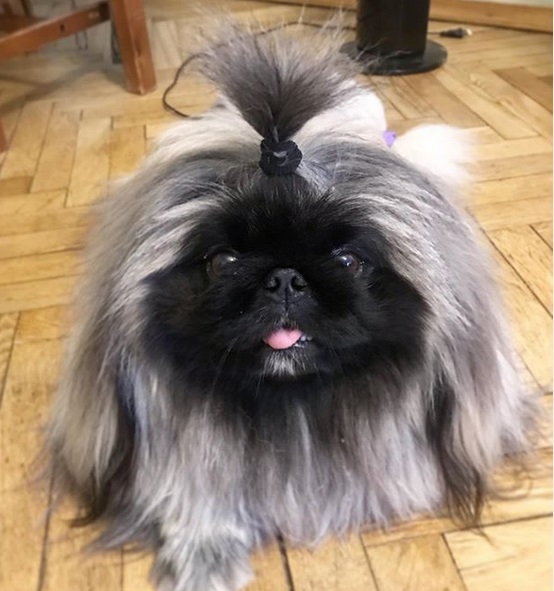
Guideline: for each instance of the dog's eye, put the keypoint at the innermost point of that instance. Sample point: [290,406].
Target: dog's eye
[350,262]
[219,263]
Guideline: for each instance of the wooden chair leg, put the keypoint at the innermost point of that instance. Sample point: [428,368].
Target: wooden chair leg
[3,139]
[130,25]
[16,7]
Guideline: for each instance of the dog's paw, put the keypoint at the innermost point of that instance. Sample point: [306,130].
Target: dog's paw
[214,582]
[206,571]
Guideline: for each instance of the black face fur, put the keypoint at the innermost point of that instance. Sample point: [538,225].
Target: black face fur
[210,320]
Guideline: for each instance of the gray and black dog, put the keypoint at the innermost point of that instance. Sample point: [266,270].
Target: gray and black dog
[287,328]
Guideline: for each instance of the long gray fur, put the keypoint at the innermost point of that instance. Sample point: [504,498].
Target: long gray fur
[203,504]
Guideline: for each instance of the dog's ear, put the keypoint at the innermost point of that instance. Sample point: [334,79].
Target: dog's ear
[463,468]
[91,432]
[439,150]
[477,415]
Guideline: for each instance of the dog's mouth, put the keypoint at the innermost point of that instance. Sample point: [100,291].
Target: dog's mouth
[287,338]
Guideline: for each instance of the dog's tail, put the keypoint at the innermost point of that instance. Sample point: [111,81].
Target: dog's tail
[279,82]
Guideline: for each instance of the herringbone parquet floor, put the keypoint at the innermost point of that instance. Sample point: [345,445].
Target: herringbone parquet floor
[73,127]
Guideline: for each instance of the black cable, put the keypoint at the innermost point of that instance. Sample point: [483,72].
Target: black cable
[458,33]
[178,73]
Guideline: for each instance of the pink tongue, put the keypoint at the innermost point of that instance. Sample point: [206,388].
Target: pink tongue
[283,338]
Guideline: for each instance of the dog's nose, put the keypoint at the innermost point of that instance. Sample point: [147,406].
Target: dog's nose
[285,284]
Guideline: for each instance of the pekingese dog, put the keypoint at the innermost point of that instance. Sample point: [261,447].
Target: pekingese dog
[287,328]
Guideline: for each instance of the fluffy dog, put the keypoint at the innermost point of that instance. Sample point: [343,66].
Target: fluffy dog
[287,327]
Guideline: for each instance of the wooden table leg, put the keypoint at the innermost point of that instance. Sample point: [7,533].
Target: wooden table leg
[130,25]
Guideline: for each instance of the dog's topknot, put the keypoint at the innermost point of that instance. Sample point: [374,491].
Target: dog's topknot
[278,89]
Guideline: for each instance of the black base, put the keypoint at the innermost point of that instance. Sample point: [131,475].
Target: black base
[397,64]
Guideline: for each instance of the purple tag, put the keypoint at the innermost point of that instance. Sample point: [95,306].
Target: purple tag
[389,137]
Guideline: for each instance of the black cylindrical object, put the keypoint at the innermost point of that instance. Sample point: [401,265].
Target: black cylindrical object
[395,32]
[393,25]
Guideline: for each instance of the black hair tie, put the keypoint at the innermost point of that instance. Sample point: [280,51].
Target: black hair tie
[279,158]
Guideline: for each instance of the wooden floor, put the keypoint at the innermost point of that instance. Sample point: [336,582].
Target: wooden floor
[73,127]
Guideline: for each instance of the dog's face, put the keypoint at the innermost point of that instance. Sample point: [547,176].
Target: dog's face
[281,283]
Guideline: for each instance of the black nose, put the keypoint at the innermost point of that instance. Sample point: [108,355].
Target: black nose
[285,284]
